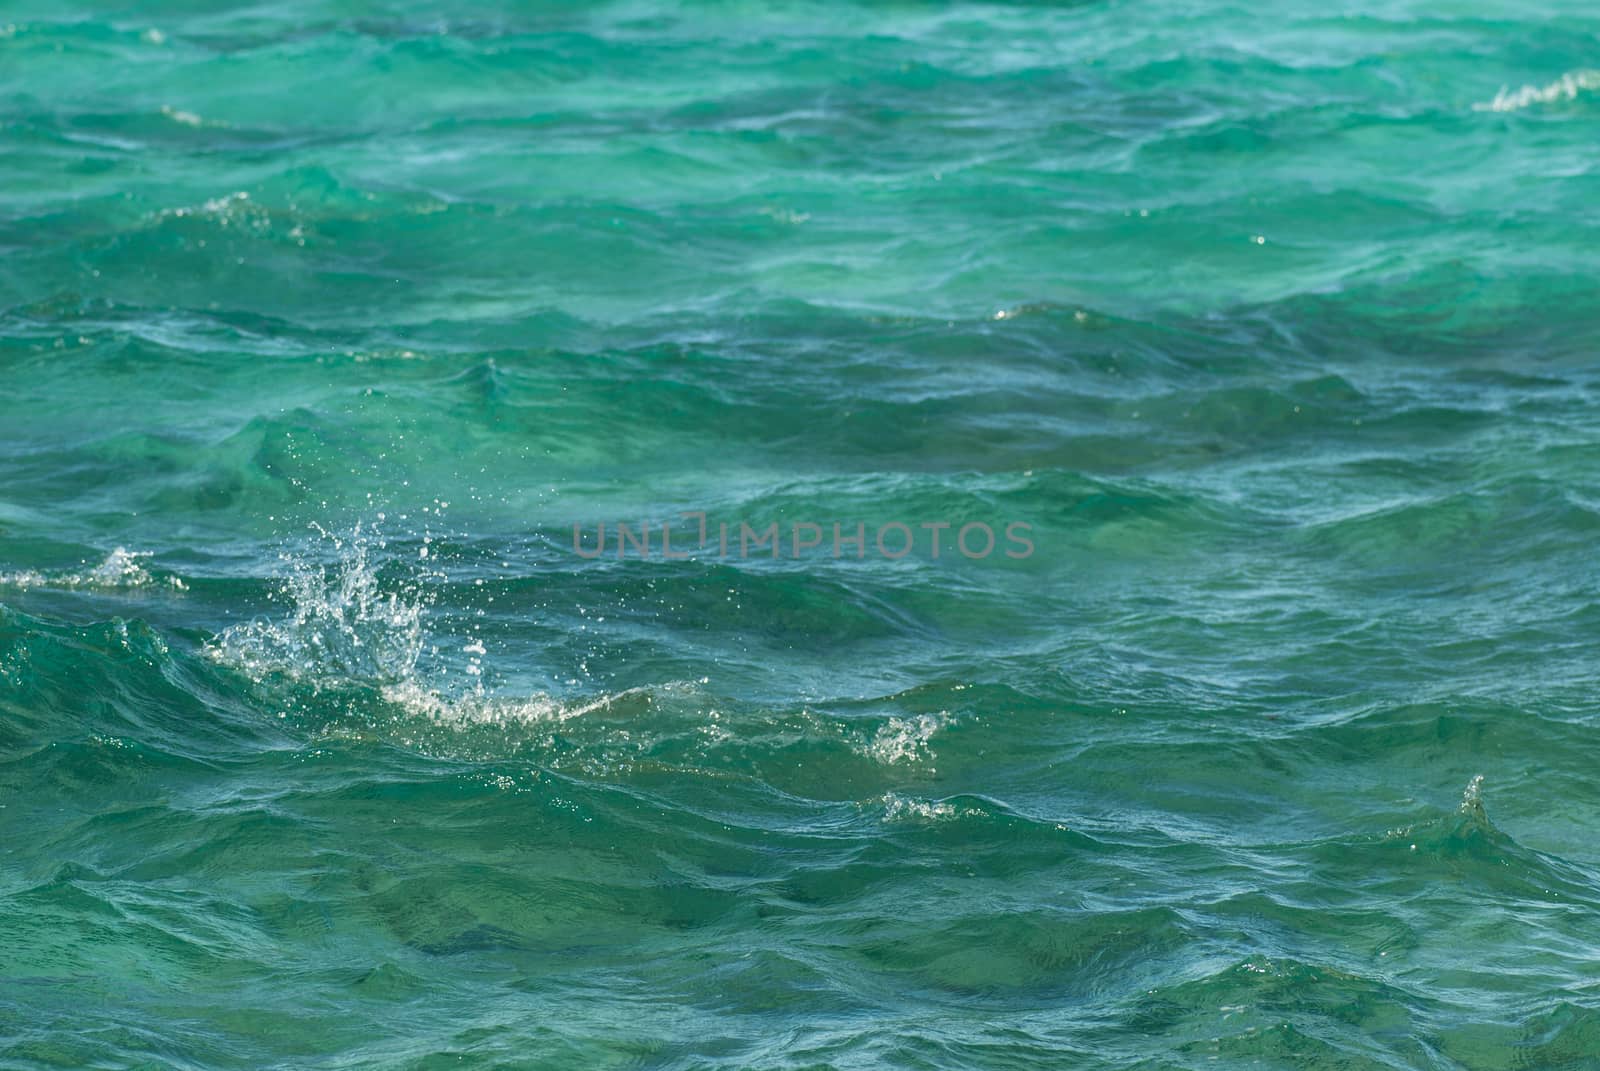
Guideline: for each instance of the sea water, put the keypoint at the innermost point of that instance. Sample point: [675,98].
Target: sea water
[387,679]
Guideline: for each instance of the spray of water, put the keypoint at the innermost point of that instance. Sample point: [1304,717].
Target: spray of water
[348,625]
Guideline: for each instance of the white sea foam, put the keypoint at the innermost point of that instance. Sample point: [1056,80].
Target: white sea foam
[178,115]
[1567,87]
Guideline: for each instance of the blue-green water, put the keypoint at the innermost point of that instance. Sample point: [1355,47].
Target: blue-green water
[1271,327]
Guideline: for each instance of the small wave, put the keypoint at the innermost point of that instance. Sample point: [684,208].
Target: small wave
[1567,87]
[1470,818]
[121,569]
[897,808]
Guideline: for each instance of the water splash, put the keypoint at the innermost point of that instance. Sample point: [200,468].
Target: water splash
[347,627]
[342,625]
[905,740]
[1472,800]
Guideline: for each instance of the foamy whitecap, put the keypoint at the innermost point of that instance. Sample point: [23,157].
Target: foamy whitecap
[121,569]
[1567,87]
[178,115]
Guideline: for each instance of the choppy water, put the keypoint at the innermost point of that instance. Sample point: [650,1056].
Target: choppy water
[324,323]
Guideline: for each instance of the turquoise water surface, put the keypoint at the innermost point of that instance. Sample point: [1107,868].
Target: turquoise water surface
[1259,340]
